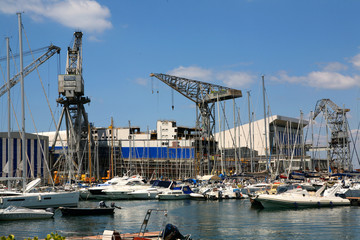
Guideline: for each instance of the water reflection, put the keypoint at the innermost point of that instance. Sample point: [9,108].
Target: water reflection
[227,219]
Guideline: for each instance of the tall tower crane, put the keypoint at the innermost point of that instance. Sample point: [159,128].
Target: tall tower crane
[204,95]
[336,121]
[72,99]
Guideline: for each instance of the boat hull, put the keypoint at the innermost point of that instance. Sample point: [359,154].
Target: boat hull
[274,201]
[173,196]
[67,211]
[41,200]
[14,213]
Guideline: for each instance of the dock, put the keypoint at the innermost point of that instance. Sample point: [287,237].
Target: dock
[114,235]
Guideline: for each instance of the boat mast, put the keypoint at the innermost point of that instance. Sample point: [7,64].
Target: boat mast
[251,155]
[235,140]
[22,102]
[9,103]
[266,145]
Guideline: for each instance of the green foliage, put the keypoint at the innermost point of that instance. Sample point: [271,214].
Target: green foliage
[10,237]
[51,236]
[54,236]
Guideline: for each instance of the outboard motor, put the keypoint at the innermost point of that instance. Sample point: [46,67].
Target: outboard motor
[238,194]
[220,195]
[171,232]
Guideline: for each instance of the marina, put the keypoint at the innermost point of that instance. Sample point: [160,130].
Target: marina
[227,219]
[227,175]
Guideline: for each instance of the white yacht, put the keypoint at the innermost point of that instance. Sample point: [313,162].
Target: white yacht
[177,193]
[121,192]
[151,192]
[96,192]
[300,198]
[30,199]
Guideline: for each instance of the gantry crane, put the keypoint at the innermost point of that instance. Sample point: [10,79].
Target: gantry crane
[71,97]
[336,121]
[31,67]
[204,95]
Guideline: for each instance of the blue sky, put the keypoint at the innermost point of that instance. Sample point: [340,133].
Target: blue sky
[307,50]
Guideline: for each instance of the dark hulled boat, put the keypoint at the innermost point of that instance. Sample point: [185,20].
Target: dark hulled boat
[70,211]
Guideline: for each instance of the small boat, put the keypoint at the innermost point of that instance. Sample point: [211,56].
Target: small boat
[102,209]
[177,193]
[21,213]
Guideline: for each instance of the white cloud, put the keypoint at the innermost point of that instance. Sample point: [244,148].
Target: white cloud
[87,15]
[356,61]
[327,80]
[236,79]
[229,78]
[334,67]
[192,72]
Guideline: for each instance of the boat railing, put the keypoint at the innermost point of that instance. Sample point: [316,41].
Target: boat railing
[147,218]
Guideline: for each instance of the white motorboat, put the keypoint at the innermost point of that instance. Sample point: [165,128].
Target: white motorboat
[95,192]
[300,198]
[43,200]
[177,193]
[150,193]
[121,192]
[98,191]
[20,213]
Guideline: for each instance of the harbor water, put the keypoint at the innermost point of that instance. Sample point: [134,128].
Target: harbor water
[226,219]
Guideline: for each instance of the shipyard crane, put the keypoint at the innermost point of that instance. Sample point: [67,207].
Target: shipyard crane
[31,67]
[72,99]
[336,121]
[204,95]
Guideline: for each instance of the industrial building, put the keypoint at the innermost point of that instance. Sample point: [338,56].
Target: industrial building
[37,151]
[283,148]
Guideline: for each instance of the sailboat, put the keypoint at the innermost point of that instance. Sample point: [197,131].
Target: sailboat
[27,198]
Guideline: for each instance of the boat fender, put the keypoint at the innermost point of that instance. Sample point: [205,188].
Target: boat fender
[39,197]
[331,204]
[295,204]
[318,203]
[1,200]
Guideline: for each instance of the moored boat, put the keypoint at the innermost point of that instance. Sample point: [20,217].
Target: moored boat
[21,213]
[300,198]
[177,193]
[102,209]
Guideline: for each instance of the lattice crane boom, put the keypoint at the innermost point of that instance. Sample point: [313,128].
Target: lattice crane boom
[323,104]
[197,91]
[338,145]
[31,67]
[204,95]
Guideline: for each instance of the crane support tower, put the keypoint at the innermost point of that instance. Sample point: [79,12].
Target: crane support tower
[72,99]
[204,95]
[339,143]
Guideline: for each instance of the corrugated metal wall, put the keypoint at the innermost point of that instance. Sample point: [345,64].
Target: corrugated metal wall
[36,166]
[158,153]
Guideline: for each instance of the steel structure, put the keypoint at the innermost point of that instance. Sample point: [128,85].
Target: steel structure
[336,121]
[31,67]
[204,95]
[71,92]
